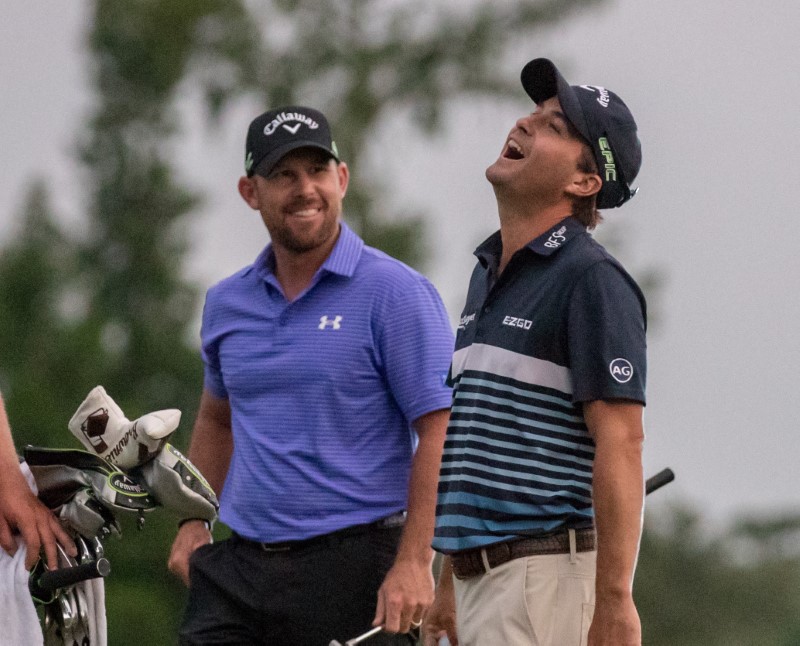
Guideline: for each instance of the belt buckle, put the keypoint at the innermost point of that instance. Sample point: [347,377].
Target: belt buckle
[395,520]
[282,548]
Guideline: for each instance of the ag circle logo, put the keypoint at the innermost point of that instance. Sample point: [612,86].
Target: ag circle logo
[621,370]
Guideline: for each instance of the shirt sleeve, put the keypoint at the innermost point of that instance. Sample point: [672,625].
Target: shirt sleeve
[209,350]
[415,343]
[606,335]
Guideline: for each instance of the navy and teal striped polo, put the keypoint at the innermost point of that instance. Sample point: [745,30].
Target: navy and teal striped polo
[562,325]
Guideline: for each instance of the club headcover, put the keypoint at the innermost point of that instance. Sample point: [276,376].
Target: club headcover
[102,428]
[87,516]
[83,487]
[177,485]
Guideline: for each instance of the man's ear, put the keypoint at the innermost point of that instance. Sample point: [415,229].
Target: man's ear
[585,185]
[247,189]
[344,177]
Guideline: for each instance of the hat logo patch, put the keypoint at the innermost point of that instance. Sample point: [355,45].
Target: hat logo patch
[610,166]
[284,118]
[604,99]
[621,370]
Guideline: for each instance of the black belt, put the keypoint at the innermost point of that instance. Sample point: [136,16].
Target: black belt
[470,563]
[395,520]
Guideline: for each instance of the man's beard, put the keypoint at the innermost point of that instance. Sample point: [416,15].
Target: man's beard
[291,241]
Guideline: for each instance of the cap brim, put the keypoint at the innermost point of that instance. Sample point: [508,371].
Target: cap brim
[542,80]
[268,162]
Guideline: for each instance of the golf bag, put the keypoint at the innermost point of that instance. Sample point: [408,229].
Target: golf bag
[127,468]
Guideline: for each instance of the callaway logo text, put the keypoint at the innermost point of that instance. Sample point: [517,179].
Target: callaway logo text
[556,238]
[283,117]
[122,483]
[513,321]
[131,435]
[603,99]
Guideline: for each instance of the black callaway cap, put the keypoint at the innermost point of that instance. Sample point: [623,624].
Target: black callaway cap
[603,120]
[279,131]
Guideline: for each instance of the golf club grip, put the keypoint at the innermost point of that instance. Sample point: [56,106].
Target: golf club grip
[63,577]
[657,481]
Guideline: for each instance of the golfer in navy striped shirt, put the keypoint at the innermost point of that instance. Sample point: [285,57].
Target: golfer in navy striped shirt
[541,488]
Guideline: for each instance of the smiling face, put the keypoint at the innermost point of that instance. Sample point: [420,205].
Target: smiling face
[300,201]
[539,161]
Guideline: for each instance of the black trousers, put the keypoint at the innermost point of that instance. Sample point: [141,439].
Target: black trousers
[242,595]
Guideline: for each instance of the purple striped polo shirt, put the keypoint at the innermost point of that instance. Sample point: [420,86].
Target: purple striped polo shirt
[323,390]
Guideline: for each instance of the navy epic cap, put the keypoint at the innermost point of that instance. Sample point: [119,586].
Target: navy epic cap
[603,120]
[279,131]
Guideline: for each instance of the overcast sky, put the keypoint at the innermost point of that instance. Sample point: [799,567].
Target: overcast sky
[714,88]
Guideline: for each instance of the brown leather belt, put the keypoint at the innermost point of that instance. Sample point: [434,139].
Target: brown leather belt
[471,563]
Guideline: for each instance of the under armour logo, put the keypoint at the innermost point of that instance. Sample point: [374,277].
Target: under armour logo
[324,322]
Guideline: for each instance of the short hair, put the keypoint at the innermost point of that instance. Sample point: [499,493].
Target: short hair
[584,209]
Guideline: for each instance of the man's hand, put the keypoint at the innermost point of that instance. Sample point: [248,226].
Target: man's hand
[21,510]
[191,535]
[615,623]
[404,596]
[440,620]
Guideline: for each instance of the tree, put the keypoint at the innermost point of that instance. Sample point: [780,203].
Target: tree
[39,354]
[363,61]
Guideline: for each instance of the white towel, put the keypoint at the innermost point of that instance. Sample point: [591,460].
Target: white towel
[20,623]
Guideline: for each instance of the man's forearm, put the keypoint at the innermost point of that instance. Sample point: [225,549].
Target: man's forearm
[618,485]
[211,445]
[423,482]
[618,502]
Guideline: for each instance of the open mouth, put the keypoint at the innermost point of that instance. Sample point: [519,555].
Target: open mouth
[513,150]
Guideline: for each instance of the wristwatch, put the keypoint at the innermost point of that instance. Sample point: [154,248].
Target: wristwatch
[209,525]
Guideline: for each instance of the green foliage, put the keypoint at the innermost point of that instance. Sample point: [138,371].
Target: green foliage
[144,602]
[35,370]
[692,590]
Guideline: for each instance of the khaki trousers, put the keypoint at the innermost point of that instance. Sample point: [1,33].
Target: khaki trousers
[532,601]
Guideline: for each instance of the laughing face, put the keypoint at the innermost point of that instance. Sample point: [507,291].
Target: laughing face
[540,156]
[300,200]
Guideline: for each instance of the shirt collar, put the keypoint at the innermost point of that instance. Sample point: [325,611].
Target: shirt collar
[342,260]
[556,237]
[345,254]
[489,251]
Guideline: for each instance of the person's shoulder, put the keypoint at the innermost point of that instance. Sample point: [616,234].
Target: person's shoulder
[387,269]
[594,263]
[234,283]
[586,252]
